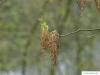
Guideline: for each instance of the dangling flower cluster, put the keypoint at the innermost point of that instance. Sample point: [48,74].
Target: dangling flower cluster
[53,45]
[49,40]
[44,37]
[82,6]
[97,2]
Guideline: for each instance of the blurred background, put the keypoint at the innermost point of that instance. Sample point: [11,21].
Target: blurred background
[20,36]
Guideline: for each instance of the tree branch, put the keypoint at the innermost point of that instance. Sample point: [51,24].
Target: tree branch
[79,30]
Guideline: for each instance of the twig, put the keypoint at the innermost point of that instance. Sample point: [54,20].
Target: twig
[79,31]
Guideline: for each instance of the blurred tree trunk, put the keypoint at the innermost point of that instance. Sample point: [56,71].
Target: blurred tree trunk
[24,63]
[60,26]
[53,70]
[79,47]
[61,23]
[78,54]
